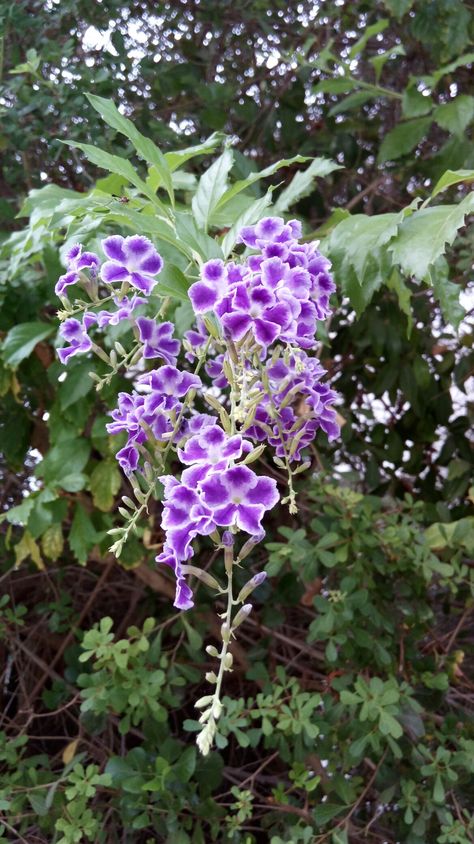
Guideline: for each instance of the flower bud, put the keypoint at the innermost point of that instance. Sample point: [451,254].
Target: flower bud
[203,576]
[252,584]
[241,615]
[211,677]
[203,701]
[225,632]
[212,650]
[228,539]
[248,546]
[228,661]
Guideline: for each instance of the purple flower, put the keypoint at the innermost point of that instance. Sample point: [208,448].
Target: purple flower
[125,310]
[76,261]
[256,310]
[131,259]
[239,497]
[75,333]
[128,458]
[213,447]
[184,596]
[212,288]
[157,339]
[169,381]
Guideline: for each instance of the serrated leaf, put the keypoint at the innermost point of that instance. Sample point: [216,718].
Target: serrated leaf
[415,103]
[334,86]
[423,237]
[452,177]
[302,183]
[242,184]
[403,138]
[447,293]
[22,339]
[455,116]
[179,157]
[105,483]
[325,812]
[143,145]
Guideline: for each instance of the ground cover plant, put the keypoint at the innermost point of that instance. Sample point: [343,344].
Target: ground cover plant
[270,316]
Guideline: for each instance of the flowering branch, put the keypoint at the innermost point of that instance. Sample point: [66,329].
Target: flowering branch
[252,352]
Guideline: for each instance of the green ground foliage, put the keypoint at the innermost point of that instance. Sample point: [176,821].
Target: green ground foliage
[349,715]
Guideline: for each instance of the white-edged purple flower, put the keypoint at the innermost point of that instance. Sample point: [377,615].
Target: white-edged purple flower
[125,310]
[76,261]
[184,596]
[239,497]
[212,287]
[132,259]
[170,381]
[128,458]
[75,333]
[157,339]
[213,447]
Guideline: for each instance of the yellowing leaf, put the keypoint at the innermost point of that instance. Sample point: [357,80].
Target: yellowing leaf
[69,751]
[25,548]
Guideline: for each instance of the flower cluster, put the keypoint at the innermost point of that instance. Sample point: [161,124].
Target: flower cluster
[252,367]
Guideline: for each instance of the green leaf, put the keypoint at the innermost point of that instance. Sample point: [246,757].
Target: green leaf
[447,293]
[177,158]
[334,86]
[118,165]
[196,240]
[414,103]
[325,812]
[83,535]
[251,215]
[403,139]
[379,61]
[105,483]
[302,183]
[355,100]
[399,7]
[184,768]
[149,223]
[456,115]
[212,186]
[242,184]
[172,282]
[144,146]
[423,236]
[372,30]
[396,283]
[388,725]
[66,458]
[76,384]
[357,248]
[21,340]
[452,177]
